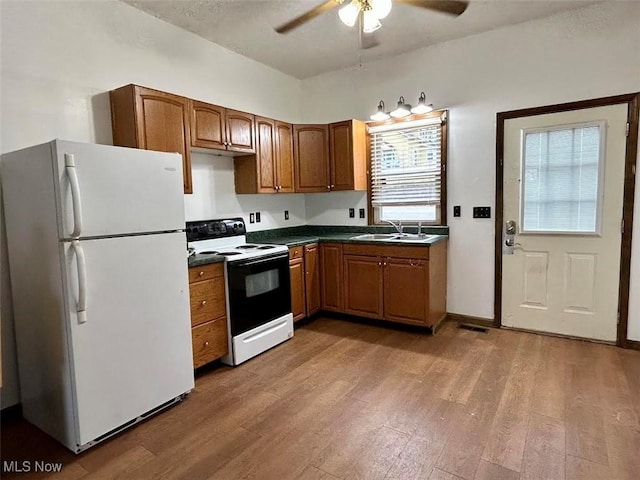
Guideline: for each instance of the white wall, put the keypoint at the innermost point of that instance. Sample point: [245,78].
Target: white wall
[587,53]
[333,208]
[60,58]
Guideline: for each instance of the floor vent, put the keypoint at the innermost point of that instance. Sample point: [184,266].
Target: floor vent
[473,328]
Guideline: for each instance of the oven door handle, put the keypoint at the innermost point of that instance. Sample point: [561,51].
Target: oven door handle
[257,261]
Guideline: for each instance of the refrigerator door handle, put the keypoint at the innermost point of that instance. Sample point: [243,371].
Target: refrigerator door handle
[82,281]
[70,168]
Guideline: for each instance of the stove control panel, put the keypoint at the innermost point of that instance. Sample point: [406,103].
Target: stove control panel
[210,229]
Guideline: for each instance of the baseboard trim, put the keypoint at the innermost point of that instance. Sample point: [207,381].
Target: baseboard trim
[558,335]
[479,321]
[11,413]
[631,344]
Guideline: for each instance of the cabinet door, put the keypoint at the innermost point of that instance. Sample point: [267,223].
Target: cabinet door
[163,125]
[331,277]
[348,150]
[207,125]
[284,157]
[363,286]
[266,150]
[312,278]
[406,290]
[296,271]
[311,158]
[240,131]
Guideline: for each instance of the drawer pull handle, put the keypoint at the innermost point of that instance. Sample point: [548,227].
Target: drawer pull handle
[206,344]
[201,273]
[204,302]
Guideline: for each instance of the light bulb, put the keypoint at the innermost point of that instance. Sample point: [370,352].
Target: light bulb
[349,13]
[422,106]
[403,109]
[380,114]
[370,22]
[380,7]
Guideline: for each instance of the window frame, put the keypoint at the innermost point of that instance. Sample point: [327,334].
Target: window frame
[602,125]
[444,117]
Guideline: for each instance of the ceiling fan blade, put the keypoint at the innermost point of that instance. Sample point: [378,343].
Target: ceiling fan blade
[305,17]
[452,7]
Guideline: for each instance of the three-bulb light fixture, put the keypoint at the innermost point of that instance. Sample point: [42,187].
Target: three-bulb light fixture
[403,109]
[372,12]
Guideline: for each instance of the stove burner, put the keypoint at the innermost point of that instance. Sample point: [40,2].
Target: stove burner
[248,245]
[209,252]
[229,253]
[266,247]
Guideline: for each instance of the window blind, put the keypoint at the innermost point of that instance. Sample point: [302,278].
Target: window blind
[406,166]
[561,179]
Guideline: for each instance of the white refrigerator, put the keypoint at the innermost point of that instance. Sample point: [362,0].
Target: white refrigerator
[97,257]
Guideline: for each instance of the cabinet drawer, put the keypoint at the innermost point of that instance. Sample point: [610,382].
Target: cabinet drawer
[295,252]
[205,272]
[209,341]
[207,300]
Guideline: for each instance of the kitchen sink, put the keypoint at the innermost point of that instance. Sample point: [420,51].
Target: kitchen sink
[395,237]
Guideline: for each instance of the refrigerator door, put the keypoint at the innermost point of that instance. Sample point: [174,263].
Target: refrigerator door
[104,190]
[131,342]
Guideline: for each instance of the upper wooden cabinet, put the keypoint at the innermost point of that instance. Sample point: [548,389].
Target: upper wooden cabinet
[270,170]
[220,128]
[330,157]
[311,158]
[152,120]
[348,155]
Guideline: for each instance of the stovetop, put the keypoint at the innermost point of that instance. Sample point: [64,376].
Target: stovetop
[226,237]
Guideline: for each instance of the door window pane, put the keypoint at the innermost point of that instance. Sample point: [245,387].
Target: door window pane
[561,175]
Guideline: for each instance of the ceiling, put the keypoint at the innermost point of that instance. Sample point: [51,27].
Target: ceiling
[324,43]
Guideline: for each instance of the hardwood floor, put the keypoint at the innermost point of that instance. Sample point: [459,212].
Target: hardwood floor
[346,400]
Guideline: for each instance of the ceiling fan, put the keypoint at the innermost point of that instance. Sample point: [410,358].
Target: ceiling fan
[368,13]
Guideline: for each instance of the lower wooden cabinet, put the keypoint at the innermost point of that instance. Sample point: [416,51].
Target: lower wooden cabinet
[399,284]
[208,313]
[305,281]
[331,277]
[311,279]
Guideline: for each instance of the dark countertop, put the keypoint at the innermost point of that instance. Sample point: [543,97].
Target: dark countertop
[201,259]
[304,235]
[294,241]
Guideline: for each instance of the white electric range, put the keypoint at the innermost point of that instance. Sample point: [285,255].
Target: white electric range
[258,292]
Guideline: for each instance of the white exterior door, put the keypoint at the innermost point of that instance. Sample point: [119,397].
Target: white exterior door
[563,189]
[133,351]
[117,190]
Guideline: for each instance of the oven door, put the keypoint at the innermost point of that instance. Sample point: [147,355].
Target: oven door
[259,291]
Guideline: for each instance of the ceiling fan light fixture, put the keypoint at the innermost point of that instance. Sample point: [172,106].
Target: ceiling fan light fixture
[380,114]
[349,13]
[403,109]
[422,106]
[381,7]
[370,22]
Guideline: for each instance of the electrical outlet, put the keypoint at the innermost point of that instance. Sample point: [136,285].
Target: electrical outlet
[362,213]
[481,212]
[257,217]
[286,214]
[352,213]
[456,211]
[252,218]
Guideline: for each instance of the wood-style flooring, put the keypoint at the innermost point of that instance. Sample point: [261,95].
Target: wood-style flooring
[346,400]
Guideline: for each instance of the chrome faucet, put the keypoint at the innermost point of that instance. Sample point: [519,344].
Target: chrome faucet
[398,227]
[420,234]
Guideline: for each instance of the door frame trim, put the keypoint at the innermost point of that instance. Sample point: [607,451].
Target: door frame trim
[633,112]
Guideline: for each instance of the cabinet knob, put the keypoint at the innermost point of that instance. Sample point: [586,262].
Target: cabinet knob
[332,187]
[328,187]
[200,273]
[206,344]
[384,264]
[379,264]
[204,302]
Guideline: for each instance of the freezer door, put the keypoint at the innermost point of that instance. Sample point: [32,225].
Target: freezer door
[131,348]
[104,190]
